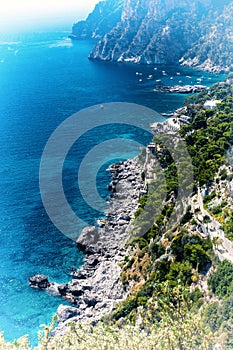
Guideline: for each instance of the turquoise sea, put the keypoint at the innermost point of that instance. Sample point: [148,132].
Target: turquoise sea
[44,78]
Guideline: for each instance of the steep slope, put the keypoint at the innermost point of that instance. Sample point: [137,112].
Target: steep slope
[161,32]
[213,51]
[152,32]
[105,15]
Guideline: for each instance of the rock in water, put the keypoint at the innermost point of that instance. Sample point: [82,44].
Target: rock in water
[39,281]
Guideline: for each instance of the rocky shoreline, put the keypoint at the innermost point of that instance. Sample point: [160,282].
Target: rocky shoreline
[179,89]
[206,66]
[96,288]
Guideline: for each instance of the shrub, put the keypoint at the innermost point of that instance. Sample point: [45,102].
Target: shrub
[206,219]
[221,282]
[217,209]
[223,174]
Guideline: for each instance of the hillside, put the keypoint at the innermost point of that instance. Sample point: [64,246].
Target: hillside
[105,15]
[213,50]
[155,32]
[177,278]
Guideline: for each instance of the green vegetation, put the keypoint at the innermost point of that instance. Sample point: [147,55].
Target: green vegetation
[177,257]
[221,282]
[177,326]
[165,308]
[174,261]
[219,314]
[175,332]
[228,227]
[210,133]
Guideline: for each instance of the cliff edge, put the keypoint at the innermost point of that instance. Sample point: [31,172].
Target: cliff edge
[197,33]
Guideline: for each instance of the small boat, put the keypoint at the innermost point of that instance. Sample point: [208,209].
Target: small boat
[178,73]
[158,81]
[140,80]
[171,78]
[188,76]
[155,68]
[150,76]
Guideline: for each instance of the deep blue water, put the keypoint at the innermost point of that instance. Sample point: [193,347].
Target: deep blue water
[44,78]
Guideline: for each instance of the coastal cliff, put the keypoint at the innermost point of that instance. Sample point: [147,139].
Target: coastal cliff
[161,32]
[213,51]
[178,279]
[105,15]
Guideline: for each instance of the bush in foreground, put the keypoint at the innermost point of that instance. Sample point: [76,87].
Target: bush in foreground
[170,334]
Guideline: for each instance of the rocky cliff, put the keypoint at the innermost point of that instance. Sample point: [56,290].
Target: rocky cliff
[213,51]
[105,15]
[161,32]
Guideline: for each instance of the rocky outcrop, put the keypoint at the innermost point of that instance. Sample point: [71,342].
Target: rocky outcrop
[39,282]
[161,32]
[65,312]
[88,239]
[178,89]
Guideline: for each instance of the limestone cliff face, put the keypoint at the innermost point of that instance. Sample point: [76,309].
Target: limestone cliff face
[213,51]
[150,31]
[105,16]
